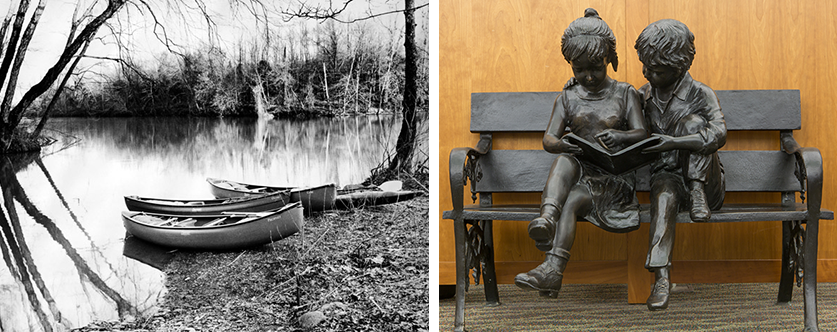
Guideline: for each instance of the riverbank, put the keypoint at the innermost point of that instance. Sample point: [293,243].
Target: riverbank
[359,270]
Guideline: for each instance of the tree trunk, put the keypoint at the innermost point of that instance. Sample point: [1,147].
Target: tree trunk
[19,56]
[52,74]
[57,95]
[407,136]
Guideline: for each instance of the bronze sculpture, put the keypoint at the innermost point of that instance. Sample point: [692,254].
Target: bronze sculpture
[686,116]
[596,108]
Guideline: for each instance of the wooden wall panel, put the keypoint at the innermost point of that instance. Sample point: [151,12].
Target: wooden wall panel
[493,46]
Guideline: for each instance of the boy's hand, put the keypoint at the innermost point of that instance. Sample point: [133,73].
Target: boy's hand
[667,143]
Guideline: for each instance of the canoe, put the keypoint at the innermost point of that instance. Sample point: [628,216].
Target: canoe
[317,198]
[215,232]
[359,199]
[271,201]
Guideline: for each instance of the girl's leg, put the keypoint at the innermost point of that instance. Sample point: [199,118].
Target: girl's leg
[548,276]
[564,174]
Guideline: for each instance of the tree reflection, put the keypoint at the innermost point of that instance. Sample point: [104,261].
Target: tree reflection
[17,254]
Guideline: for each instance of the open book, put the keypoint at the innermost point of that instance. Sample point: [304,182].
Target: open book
[625,160]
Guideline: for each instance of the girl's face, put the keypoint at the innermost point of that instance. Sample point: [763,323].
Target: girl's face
[661,77]
[590,74]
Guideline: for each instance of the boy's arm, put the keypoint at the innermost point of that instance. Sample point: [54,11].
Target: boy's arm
[708,140]
[714,135]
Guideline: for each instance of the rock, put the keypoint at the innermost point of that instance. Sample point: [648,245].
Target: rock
[311,319]
[335,309]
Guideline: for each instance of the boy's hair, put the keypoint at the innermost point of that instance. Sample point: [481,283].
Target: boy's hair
[589,35]
[666,43]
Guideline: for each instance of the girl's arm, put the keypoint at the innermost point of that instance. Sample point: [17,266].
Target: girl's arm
[552,141]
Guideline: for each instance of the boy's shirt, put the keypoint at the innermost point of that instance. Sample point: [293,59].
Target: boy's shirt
[690,97]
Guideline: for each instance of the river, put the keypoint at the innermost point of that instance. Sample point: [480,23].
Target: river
[66,258]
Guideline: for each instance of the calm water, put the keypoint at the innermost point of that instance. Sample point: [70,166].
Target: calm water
[63,244]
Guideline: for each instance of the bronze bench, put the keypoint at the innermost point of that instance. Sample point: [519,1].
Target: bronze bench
[790,170]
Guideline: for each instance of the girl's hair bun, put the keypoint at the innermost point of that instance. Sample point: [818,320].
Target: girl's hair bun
[590,12]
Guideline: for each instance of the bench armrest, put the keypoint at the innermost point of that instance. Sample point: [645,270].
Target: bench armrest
[459,172]
[809,161]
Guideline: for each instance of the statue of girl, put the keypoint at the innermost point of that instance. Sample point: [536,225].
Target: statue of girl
[599,109]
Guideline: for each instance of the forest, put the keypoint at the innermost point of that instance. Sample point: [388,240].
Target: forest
[331,70]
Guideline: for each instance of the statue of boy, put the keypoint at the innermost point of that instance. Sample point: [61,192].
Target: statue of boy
[597,108]
[686,116]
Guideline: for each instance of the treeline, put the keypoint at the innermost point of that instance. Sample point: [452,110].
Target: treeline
[326,73]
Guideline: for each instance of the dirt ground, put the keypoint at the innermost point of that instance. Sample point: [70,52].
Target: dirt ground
[360,270]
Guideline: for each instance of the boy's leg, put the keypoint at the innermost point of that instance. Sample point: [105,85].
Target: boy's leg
[700,171]
[668,197]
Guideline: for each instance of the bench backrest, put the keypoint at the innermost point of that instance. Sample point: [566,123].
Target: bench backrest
[526,170]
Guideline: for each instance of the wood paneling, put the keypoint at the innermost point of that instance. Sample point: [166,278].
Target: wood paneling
[514,45]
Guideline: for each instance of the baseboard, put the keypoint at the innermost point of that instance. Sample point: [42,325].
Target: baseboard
[616,272]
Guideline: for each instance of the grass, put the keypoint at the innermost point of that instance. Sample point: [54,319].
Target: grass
[360,270]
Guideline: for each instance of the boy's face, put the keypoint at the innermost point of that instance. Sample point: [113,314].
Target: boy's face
[590,74]
[660,77]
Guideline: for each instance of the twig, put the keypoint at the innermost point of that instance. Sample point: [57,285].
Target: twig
[372,298]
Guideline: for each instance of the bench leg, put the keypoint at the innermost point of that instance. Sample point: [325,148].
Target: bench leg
[809,279]
[489,276]
[459,233]
[787,275]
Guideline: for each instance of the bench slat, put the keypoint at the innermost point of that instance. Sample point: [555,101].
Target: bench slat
[728,213]
[527,170]
[530,111]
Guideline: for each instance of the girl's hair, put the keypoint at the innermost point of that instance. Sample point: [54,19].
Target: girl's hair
[589,35]
[666,43]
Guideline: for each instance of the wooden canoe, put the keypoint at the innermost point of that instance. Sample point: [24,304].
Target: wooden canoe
[359,199]
[215,232]
[268,202]
[317,198]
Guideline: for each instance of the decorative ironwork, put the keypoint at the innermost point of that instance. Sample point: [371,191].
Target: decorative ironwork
[473,172]
[797,258]
[801,176]
[475,250]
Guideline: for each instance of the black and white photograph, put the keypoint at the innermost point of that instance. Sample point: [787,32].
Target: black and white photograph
[209,165]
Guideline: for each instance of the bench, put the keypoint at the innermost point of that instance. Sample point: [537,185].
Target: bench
[790,170]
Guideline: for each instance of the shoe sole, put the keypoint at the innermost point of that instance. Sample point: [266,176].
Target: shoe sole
[543,240]
[553,293]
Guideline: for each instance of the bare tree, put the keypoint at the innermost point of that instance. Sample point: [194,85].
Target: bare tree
[405,146]
[14,45]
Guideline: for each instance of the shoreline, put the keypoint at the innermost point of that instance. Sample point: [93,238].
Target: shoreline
[356,270]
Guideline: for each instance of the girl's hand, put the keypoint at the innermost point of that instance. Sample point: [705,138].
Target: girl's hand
[610,137]
[567,147]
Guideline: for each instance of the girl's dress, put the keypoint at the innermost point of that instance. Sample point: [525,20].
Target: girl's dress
[615,207]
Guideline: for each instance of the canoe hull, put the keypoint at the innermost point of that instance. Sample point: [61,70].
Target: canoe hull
[319,198]
[268,202]
[370,198]
[259,231]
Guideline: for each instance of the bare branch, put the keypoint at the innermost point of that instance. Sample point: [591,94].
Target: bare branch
[21,53]
[52,74]
[121,61]
[165,37]
[6,22]
[11,47]
[58,90]
[318,13]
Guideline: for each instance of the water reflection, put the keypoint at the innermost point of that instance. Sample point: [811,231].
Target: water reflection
[66,256]
[24,263]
